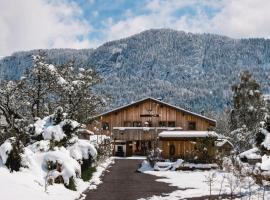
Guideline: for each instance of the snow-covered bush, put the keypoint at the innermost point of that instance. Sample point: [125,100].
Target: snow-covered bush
[84,152]
[11,153]
[55,128]
[61,166]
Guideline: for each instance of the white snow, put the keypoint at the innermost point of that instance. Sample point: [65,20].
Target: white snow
[266,142]
[251,154]
[61,81]
[191,134]
[53,132]
[29,183]
[5,149]
[194,183]
[50,131]
[221,142]
[95,180]
[82,149]
[70,167]
[265,163]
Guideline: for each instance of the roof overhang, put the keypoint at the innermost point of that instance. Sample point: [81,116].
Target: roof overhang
[212,121]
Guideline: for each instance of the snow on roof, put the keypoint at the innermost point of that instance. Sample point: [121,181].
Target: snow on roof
[221,142]
[147,128]
[187,134]
[161,102]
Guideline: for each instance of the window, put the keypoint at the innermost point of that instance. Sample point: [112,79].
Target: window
[120,148]
[171,124]
[162,124]
[105,126]
[137,124]
[191,125]
[127,124]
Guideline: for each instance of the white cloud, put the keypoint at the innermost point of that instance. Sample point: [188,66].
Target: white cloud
[234,18]
[31,24]
[243,18]
[34,24]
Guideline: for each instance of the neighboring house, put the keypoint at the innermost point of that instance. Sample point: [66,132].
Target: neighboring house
[224,146]
[135,127]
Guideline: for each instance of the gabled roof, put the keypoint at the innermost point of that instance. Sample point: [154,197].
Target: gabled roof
[158,101]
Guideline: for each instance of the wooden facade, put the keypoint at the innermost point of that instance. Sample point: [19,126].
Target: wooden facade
[140,123]
[191,149]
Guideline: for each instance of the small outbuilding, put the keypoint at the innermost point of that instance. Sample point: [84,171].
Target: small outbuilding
[224,146]
[194,146]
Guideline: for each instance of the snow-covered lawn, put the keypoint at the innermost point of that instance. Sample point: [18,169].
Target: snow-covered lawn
[27,185]
[194,184]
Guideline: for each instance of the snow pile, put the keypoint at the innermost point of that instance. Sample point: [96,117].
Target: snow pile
[163,166]
[253,153]
[40,146]
[95,180]
[53,133]
[29,183]
[145,166]
[266,142]
[69,166]
[265,165]
[5,149]
[173,166]
[194,184]
[82,149]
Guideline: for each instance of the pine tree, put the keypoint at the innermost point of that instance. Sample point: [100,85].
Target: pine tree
[247,113]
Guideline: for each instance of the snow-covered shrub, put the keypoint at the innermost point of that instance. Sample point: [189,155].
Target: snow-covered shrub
[55,128]
[61,166]
[11,153]
[84,153]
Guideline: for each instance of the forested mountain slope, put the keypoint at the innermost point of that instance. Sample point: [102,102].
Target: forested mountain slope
[194,71]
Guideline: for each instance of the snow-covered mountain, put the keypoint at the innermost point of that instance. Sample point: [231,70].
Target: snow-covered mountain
[194,71]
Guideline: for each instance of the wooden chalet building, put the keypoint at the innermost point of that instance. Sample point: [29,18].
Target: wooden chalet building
[135,127]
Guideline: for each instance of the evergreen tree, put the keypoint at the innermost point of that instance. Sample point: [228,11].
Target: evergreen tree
[247,113]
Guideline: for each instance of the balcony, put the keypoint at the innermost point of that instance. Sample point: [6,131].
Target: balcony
[140,133]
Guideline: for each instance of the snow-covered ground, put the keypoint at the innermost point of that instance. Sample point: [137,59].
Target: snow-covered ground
[194,184]
[29,185]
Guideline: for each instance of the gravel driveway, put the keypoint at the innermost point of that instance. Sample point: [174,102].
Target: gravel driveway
[122,182]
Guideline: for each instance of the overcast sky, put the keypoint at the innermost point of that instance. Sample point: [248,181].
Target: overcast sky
[32,24]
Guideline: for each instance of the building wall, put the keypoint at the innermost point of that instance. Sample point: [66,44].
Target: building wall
[165,113]
[188,149]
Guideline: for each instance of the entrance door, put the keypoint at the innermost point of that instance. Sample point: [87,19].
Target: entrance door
[129,148]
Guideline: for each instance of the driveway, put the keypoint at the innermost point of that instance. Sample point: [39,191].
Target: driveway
[122,182]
